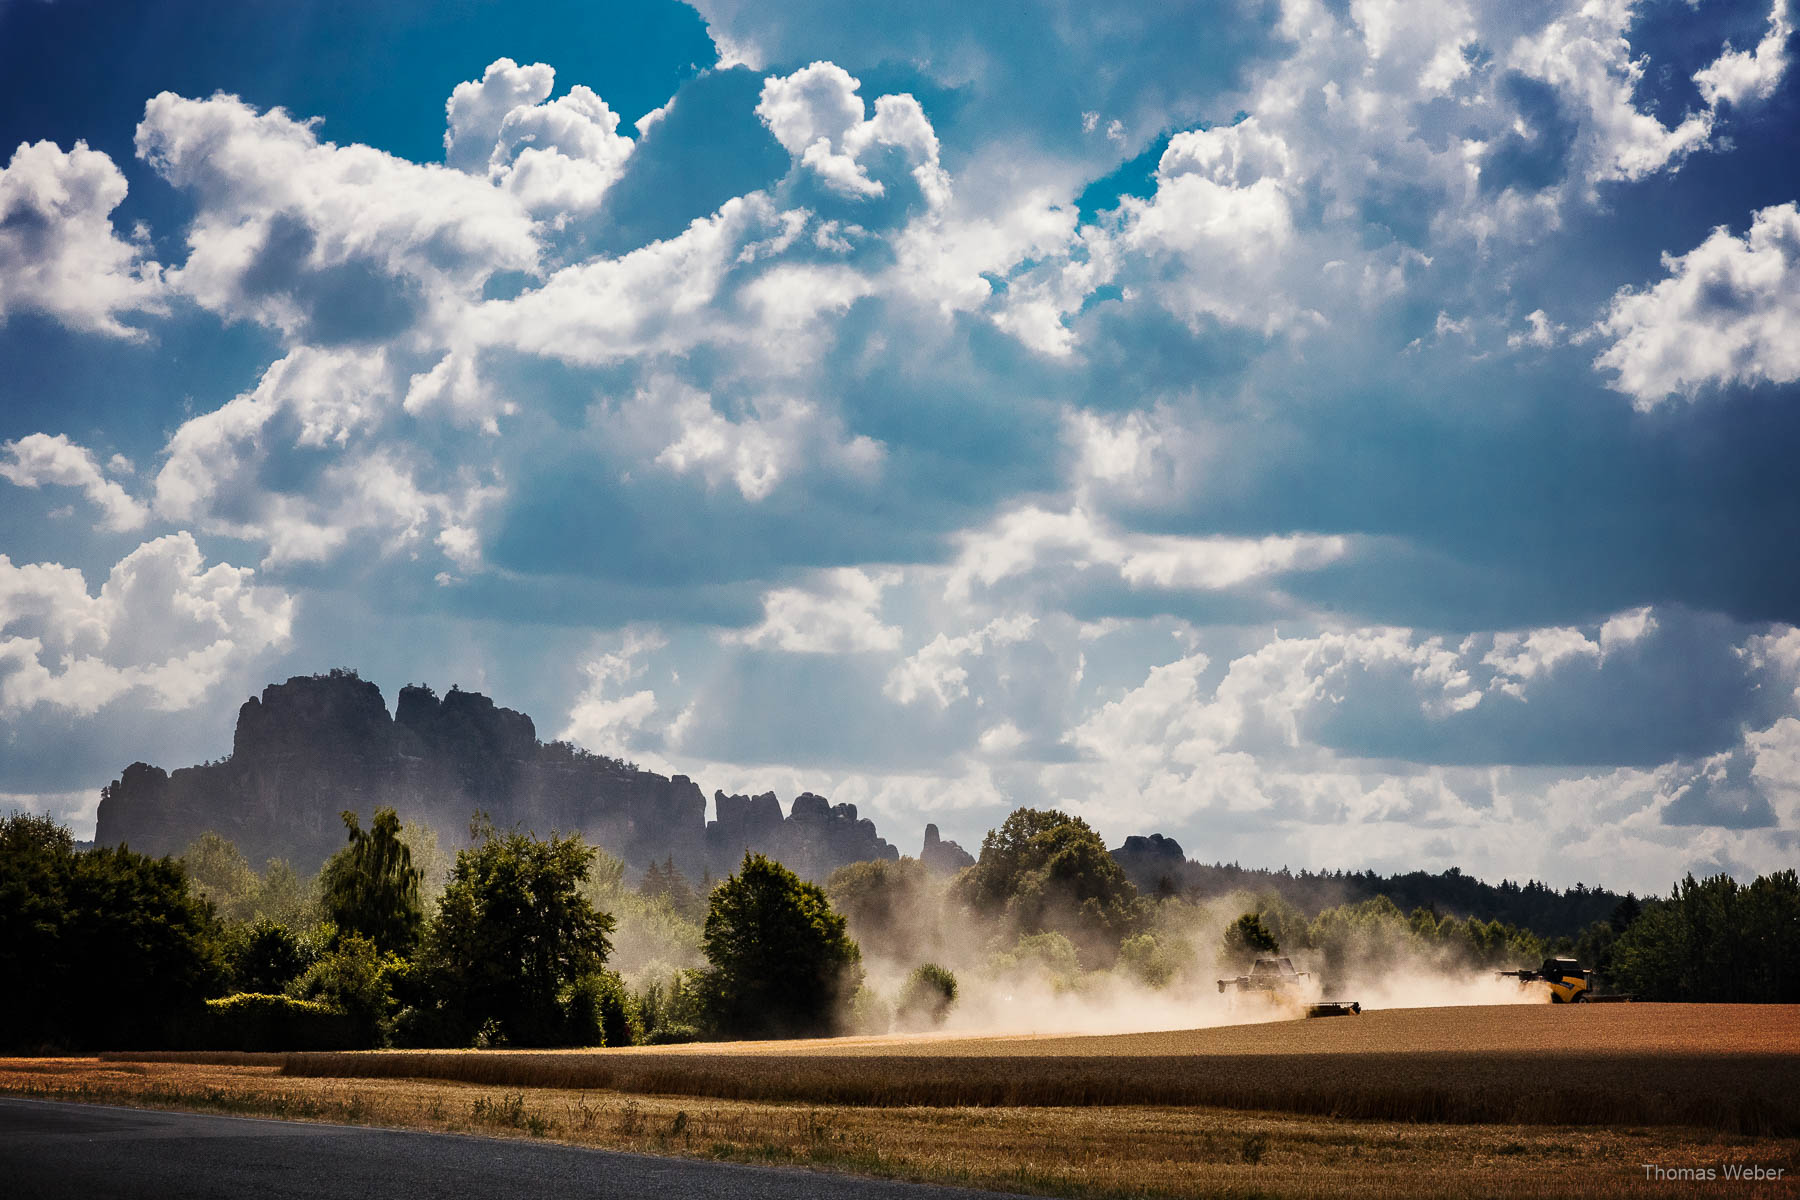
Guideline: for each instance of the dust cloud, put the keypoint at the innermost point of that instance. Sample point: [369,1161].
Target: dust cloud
[1167,980]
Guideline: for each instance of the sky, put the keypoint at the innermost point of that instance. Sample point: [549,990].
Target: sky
[1332,433]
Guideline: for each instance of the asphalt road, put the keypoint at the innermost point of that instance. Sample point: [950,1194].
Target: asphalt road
[52,1151]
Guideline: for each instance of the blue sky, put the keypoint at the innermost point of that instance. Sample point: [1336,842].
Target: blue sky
[1330,433]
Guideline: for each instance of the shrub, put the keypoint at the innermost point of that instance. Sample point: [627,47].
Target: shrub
[927,997]
[259,1022]
[675,1012]
[1143,958]
[357,980]
[1050,953]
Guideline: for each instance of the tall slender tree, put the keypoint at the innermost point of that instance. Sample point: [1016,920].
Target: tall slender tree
[371,887]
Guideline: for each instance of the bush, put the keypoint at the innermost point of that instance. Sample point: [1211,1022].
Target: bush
[927,997]
[357,980]
[258,1022]
[675,1012]
[1052,954]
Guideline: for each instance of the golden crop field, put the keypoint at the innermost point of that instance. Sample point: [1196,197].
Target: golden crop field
[1722,1067]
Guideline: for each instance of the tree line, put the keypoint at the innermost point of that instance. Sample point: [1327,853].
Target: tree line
[527,941]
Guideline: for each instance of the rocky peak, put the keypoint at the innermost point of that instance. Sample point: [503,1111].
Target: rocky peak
[1151,862]
[339,712]
[943,857]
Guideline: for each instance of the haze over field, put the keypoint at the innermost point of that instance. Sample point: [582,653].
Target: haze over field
[1334,435]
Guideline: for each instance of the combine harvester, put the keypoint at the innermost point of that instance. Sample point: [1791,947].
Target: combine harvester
[1276,980]
[1569,984]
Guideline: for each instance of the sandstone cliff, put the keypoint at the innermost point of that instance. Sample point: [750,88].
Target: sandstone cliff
[309,748]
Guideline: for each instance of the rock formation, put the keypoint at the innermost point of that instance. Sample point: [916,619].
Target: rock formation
[316,745]
[941,857]
[815,839]
[1155,863]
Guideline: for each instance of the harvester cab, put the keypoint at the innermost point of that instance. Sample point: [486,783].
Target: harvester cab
[1276,980]
[1267,975]
[1569,984]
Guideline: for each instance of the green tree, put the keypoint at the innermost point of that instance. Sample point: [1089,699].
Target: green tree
[1047,870]
[892,907]
[782,964]
[513,934]
[1049,955]
[282,896]
[1771,929]
[219,873]
[1714,940]
[371,887]
[432,861]
[265,957]
[1245,938]
[1144,958]
[665,882]
[601,1012]
[103,949]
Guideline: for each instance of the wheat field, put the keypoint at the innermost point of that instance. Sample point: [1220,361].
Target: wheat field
[1517,1100]
[1731,1068]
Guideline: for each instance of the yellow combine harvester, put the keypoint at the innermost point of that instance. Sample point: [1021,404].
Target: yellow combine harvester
[1569,984]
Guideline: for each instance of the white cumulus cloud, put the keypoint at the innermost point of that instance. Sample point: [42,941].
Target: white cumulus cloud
[59,252]
[1740,77]
[38,460]
[165,626]
[1728,313]
[839,614]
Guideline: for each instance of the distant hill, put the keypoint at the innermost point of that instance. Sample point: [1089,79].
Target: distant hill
[318,744]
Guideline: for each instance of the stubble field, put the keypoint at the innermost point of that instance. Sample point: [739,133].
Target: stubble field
[1509,1100]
